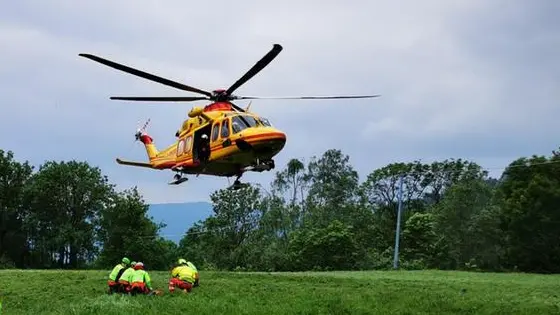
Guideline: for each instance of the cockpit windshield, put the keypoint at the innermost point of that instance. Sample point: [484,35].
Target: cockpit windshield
[252,122]
[241,122]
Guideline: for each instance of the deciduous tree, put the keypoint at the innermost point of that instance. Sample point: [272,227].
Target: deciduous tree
[64,203]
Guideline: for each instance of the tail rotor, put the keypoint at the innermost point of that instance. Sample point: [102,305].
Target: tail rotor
[142,130]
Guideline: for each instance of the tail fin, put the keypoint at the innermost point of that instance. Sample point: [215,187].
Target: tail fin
[151,149]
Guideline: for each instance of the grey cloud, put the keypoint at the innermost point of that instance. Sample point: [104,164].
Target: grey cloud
[474,79]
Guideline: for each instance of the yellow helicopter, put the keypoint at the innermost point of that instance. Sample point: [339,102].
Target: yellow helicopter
[219,139]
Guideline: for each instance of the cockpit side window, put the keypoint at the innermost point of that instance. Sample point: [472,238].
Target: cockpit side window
[265,122]
[238,124]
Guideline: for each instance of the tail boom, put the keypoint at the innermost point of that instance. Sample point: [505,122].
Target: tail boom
[155,161]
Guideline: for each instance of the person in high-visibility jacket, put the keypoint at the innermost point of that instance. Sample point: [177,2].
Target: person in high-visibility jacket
[140,280]
[116,274]
[182,276]
[126,278]
[196,274]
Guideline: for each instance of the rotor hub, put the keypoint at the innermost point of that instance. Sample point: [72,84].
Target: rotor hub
[220,95]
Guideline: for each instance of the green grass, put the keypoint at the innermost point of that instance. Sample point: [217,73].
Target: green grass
[401,292]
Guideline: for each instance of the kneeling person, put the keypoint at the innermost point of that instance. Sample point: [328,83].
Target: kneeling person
[140,280]
[182,277]
[116,274]
[126,278]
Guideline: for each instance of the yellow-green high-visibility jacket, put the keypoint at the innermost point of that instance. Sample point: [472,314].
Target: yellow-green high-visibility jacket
[141,276]
[184,273]
[127,274]
[116,272]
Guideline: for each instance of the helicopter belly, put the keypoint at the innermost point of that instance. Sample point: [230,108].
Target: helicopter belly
[266,148]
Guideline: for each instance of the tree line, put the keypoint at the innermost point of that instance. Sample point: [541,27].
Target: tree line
[314,216]
[68,215]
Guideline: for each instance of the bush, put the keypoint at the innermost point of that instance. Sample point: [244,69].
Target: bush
[6,263]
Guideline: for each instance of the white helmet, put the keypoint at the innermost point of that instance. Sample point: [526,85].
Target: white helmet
[204,136]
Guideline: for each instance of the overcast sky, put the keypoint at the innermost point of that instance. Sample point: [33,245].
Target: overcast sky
[476,79]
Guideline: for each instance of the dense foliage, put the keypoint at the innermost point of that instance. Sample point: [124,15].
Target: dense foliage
[317,216]
[68,215]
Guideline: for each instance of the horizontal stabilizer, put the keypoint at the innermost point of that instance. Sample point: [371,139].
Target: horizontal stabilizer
[133,163]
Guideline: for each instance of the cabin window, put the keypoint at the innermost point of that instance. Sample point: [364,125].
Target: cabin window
[225,128]
[180,147]
[188,143]
[215,132]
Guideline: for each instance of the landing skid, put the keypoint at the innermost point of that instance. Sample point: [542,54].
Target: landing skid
[238,185]
[257,167]
[178,179]
[260,166]
[177,182]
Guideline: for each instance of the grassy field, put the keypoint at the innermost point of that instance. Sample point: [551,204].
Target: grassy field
[398,292]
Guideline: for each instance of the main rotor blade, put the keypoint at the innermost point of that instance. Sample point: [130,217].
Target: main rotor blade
[261,64]
[145,75]
[305,97]
[160,99]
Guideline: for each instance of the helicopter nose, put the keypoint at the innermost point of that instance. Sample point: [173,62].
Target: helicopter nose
[275,143]
[269,143]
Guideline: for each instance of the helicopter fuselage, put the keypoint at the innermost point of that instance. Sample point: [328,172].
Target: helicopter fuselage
[237,142]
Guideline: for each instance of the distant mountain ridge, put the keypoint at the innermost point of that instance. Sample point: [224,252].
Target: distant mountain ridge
[179,217]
